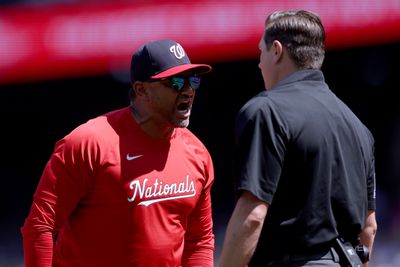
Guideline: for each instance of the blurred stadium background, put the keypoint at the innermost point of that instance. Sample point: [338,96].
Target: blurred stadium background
[65,61]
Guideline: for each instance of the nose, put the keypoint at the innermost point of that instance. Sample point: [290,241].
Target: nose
[187,90]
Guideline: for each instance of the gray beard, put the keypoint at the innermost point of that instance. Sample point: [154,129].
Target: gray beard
[182,123]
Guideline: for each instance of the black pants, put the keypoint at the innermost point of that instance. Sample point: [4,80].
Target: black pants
[328,258]
[312,263]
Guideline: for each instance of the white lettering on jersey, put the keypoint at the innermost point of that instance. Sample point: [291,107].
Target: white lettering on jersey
[147,193]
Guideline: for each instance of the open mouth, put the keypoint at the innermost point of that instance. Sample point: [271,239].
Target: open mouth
[184,108]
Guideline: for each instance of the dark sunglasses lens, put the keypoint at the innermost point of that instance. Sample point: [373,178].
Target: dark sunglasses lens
[194,82]
[178,82]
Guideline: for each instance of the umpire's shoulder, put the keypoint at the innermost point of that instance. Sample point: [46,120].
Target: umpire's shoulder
[260,102]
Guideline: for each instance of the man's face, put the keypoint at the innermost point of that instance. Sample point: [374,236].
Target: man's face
[265,63]
[171,106]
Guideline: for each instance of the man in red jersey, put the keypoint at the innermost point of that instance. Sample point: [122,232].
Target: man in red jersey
[131,187]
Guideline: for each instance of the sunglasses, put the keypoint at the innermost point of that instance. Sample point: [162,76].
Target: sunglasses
[178,82]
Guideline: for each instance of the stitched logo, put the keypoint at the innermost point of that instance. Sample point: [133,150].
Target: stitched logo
[177,50]
[152,192]
[132,157]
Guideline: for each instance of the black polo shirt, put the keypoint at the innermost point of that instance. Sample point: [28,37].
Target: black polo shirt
[303,151]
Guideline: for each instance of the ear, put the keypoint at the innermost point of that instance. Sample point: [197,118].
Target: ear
[277,51]
[139,89]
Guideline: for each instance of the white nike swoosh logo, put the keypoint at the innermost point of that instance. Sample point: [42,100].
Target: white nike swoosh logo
[132,157]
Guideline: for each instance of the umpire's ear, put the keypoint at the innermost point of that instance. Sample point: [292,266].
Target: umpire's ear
[277,49]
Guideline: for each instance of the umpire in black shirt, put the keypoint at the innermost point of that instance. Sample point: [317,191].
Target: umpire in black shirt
[305,162]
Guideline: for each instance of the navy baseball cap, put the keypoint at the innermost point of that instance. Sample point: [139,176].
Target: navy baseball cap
[161,59]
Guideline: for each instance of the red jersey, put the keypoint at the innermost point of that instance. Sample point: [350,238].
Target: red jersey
[110,195]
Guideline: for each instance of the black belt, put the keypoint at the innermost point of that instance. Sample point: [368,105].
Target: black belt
[286,260]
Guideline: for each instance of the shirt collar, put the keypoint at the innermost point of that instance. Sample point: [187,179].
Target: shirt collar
[301,75]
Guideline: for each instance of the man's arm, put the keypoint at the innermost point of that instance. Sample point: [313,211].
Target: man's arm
[199,236]
[243,231]
[37,239]
[367,236]
[64,181]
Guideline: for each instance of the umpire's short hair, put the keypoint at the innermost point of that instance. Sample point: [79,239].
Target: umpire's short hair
[301,32]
